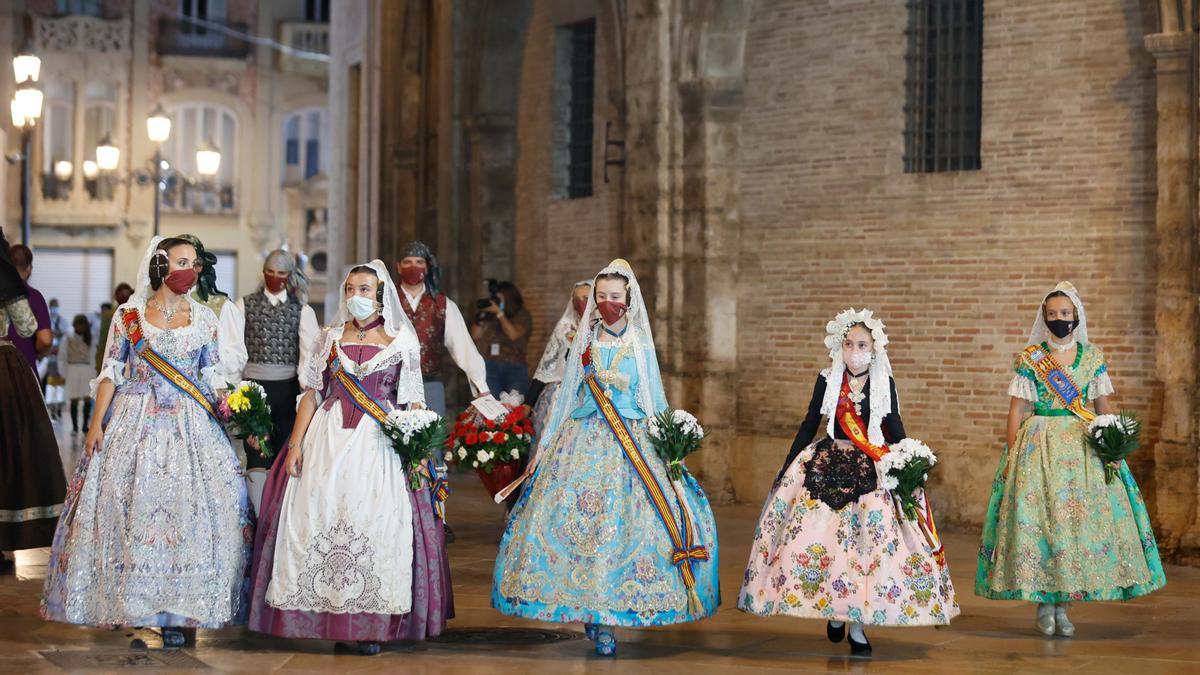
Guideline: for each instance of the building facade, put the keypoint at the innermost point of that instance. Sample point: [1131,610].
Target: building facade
[765,164]
[248,76]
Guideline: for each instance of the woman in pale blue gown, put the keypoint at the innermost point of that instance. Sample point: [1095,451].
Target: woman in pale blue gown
[588,541]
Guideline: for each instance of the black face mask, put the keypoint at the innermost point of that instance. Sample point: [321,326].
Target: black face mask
[1062,328]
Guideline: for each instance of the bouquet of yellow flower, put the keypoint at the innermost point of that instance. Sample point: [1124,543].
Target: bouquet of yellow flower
[249,415]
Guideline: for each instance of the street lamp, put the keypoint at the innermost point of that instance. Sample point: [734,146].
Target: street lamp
[208,159]
[158,126]
[158,130]
[26,109]
[26,66]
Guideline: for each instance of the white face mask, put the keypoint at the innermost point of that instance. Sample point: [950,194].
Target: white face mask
[360,307]
[857,361]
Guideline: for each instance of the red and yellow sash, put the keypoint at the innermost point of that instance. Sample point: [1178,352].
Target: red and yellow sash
[439,488]
[852,424]
[685,552]
[1056,378]
[137,339]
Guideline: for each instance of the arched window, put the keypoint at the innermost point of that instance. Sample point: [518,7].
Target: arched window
[99,120]
[58,136]
[304,134]
[192,125]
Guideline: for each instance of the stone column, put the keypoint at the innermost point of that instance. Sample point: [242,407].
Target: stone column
[1175,454]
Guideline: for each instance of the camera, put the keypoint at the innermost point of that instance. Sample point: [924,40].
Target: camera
[493,296]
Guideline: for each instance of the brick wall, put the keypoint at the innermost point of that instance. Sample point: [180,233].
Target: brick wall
[954,263]
[559,241]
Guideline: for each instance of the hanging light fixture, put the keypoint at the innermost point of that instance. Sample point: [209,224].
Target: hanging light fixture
[208,159]
[26,66]
[158,125]
[108,155]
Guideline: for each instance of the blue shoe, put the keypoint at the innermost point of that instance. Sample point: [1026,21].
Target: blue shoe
[173,638]
[591,630]
[606,643]
[369,648]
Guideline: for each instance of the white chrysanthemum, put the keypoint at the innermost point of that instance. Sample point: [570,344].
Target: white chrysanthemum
[516,454]
[481,456]
[462,452]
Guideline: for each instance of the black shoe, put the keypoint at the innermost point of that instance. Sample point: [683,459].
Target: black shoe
[7,566]
[860,648]
[449,533]
[369,648]
[836,635]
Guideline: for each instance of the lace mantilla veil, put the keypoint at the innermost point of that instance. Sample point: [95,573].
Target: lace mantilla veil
[650,397]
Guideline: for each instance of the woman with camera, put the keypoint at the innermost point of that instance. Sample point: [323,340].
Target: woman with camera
[501,332]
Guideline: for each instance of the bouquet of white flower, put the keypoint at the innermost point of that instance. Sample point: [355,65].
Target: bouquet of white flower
[1114,437]
[415,436]
[903,470]
[675,434]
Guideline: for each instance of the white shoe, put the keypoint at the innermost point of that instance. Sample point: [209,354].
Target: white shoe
[1063,625]
[1045,618]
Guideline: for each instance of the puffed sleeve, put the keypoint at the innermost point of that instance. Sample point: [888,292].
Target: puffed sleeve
[116,354]
[808,428]
[211,369]
[410,385]
[312,368]
[1100,384]
[22,317]
[1024,382]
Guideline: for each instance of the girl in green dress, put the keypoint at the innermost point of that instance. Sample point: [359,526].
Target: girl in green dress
[1055,531]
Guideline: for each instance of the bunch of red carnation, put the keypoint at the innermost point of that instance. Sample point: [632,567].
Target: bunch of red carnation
[485,444]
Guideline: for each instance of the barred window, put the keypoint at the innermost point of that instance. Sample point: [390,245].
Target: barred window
[944,85]
[574,109]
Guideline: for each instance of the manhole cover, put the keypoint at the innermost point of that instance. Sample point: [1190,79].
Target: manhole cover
[129,658]
[505,636]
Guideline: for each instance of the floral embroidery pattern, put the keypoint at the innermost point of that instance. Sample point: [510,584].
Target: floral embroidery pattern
[853,562]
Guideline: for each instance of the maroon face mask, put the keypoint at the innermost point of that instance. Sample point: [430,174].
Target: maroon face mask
[181,281]
[274,284]
[611,311]
[580,305]
[412,275]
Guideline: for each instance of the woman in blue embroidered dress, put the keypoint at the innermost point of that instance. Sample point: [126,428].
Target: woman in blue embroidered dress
[585,542]
[156,528]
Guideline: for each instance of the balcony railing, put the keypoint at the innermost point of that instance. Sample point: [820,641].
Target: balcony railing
[77,33]
[199,198]
[308,37]
[183,38]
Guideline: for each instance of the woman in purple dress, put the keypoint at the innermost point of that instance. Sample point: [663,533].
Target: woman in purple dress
[344,549]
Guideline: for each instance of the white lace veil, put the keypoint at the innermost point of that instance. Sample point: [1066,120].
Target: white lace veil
[395,321]
[1041,332]
[142,290]
[880,371]
[650,397]
[554,359]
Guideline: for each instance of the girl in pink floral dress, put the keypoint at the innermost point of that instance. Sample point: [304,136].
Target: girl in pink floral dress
[831,542]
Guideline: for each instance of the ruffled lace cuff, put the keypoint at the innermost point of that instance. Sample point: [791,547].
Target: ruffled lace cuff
[1101,386]
[111,369]
[1022,388]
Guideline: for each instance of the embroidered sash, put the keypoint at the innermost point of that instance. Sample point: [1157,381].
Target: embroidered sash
[137,339]
[685,552]
[439,488]
[1057,380]
[855,428]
